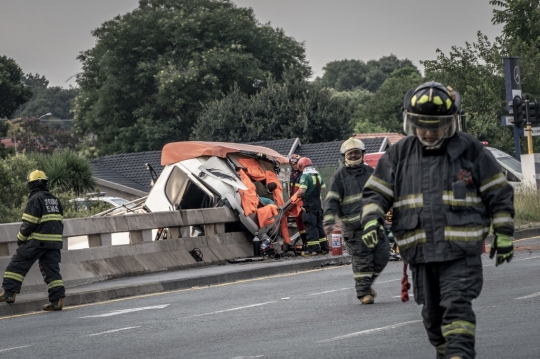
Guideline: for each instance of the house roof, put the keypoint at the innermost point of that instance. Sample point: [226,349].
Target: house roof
[327,154]
[282,147]
[7,142]
[393,137]
[128,169]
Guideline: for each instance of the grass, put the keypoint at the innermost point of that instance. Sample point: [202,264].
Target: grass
[527,207]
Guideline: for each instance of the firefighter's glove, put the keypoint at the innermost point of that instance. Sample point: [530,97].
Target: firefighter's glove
[19,242]
[502,244]
[372,233]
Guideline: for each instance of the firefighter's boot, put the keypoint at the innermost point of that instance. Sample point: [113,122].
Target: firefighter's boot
[54,306]
[312,251]
[7,296]
[367,299]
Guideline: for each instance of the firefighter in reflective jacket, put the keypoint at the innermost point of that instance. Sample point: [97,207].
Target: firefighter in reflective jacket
[39,238]
[294,185]
[311,186]
[446,190]
[344,199]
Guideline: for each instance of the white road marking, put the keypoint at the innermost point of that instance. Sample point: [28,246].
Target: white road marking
[524,259]
[112,331]
[331,291]
[369,331]
[124,311]
[399,296]
[5,350]
[258,356]
[513,260]
[337,290]
[229,310]
[530,296]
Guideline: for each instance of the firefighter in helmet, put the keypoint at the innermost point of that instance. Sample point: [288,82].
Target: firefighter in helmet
[310,190]
[446,190]
[39,239]
[294,185]
[344,200]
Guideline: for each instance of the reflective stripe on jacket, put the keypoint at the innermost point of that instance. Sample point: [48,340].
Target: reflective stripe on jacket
[344,198]
[444,201]
[42,219]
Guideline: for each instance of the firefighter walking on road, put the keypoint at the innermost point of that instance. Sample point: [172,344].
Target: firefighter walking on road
[344,200]
[310,189]
[39,239]
[446,190]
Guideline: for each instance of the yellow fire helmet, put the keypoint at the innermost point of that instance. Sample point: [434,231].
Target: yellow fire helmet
[36,175]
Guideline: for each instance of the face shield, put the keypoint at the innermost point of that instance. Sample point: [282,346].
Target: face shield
[430,130]
[354,157]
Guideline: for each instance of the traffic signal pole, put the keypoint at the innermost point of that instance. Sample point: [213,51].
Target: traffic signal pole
[528,130]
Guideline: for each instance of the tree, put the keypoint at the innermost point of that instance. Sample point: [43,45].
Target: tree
[384,109]
[520,19]
[294,108]
[30,134]
[346,75]
[55,100]
[145,81]
[13,92]
[69,175]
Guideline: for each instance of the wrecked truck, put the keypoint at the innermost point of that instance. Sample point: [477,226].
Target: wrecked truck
[200,174]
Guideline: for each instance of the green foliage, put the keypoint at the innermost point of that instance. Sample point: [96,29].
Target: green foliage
[346,75]
[383,111]
[520,19]
[13,93]
[55,100]
[67,171]
[527,206]
[145,81]
[13,187]
[294,108]
[31,134]
[476,70]
[69,176]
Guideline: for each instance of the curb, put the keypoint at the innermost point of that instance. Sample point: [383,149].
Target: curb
[80,295]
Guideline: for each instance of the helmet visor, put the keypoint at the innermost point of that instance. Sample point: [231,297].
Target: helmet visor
[412,122]
[431,130]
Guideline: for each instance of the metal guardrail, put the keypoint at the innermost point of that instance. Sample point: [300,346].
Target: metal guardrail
[139,226]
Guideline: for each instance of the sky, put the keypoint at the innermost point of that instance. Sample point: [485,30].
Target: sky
[45,36]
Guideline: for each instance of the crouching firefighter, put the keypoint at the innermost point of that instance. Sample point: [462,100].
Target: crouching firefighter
[446,190]
[344,199]
[39,239]
[311,186]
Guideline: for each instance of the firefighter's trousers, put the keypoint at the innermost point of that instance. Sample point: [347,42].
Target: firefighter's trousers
[21,262]
[301,230]
[314,228]
[446,290]
[367,263]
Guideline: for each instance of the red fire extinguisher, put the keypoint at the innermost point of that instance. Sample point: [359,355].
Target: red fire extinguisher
[337,242]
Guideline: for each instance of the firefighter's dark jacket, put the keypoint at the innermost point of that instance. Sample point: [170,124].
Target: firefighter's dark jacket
[42,219]
[444,201]
[344,198]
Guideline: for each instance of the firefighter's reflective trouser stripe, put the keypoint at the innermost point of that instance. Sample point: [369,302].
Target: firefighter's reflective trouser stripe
[22,261]
[314,229]
[446,289]
[367,263]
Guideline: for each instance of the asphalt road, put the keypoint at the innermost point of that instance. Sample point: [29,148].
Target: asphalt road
[312,314]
